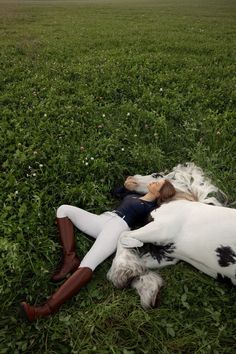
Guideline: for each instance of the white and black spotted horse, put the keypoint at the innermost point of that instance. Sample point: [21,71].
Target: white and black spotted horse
[193,231]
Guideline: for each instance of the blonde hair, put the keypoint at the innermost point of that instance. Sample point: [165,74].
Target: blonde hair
[186,196]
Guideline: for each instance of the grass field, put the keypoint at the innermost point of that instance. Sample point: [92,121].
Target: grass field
[92,91]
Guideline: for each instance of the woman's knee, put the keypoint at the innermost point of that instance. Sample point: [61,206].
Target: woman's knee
[63,211]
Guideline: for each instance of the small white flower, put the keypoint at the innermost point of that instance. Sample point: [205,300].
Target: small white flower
[128,114]
[92,158]
[135,135]
[122,149]
[45,115]
[86,163]
[161,89]
[104,115]
[40,165]
[29,167]
[16,192]
[34,174]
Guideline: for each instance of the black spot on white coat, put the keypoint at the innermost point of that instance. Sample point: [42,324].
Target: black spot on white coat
[159,252]
[226,256]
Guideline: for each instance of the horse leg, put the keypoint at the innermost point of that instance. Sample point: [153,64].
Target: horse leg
[125,266]
[148,287]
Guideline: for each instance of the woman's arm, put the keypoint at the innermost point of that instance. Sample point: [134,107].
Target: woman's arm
[119,192]
[130,183]
[129,186]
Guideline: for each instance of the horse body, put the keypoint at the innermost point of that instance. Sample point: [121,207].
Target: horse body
[200,234]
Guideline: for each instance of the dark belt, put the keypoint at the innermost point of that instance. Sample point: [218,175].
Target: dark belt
[119,213]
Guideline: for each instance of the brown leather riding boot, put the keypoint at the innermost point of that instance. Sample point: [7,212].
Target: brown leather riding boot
[70,262]
[65,292]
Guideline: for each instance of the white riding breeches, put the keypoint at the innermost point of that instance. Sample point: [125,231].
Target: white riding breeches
[105,228]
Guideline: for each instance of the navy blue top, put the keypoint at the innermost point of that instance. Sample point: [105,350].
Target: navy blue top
[133,209]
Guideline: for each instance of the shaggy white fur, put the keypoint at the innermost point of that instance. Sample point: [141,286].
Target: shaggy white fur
[148,286]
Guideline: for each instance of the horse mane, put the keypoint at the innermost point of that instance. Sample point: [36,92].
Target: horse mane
[191,183]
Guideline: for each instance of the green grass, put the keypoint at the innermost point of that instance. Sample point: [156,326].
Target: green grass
[92,91]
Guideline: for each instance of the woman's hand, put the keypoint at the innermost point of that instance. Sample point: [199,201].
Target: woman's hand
[130,183]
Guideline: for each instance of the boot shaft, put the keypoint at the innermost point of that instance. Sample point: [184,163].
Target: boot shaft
[69,262]
[66,235]
[70,287]
[65,292]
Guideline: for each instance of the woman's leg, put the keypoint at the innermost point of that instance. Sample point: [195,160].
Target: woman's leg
[65,292]
[69,261]
[105,243]
[89,223]
[67,216]
[102,248]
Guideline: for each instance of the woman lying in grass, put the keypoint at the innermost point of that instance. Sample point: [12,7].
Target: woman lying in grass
[105,229]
